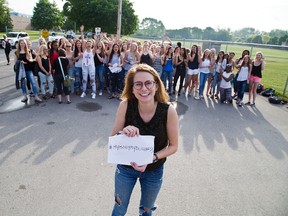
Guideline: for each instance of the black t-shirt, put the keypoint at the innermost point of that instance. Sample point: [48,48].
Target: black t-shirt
[157,127]
[57,68]
[145,59]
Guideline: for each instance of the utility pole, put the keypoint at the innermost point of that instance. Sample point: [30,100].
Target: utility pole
[119,19]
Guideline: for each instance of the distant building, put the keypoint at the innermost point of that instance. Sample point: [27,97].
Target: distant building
[20,21]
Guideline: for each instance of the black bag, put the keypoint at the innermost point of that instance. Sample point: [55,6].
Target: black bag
[260,88]
[274,100]
[268,92]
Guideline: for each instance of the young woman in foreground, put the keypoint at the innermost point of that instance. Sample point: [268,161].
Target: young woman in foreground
[144,111]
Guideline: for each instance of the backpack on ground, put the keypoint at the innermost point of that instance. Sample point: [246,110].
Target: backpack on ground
[268,92]
[274,100]
[260,88]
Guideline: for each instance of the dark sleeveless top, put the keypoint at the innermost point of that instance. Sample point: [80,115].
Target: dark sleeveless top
[145,59]
[157,127]
[194,64]
[181,66]
[256,70]
[97,62]
[29,65]
[45,64]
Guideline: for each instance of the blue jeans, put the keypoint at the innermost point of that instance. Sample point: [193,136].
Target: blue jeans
[165,75]
[78,77]
[72,75]
[241,85]
[46,80]
[100,76]
[125,180]
[30,77]
[203,78]
[216,82]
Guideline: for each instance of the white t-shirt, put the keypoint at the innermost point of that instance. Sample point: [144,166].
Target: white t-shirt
[224,84]
[243,74]
[79,62]
[206,69]
[88,58]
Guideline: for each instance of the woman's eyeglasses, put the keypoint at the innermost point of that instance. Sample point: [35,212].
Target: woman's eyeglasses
[148,84]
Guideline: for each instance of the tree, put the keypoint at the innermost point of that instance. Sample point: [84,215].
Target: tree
[283,39]
[222,35]
[152,28]
[101,13]
[257,39]
[46,16]
[274,41]
[197,33]
[5,19]
[208,33]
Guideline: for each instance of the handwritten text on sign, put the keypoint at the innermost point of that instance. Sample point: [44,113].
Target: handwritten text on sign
[124,150]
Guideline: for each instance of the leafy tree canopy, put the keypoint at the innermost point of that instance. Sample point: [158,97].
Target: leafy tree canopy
[46,16]
[5,19]
[101,13]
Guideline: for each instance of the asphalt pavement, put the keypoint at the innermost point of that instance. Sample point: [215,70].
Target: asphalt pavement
[53,157]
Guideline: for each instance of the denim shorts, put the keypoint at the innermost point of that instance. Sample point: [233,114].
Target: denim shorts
[125,180]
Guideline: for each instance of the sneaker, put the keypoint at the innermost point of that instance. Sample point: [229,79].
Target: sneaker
[201,97]
[83,95]
[100,93]
[93,95]
[197,98]
[238,102]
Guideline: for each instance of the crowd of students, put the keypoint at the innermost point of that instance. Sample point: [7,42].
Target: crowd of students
[102,63]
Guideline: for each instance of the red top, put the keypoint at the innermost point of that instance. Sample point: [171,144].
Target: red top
[53,57]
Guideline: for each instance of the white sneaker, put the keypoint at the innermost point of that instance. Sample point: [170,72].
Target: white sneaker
[197,98]
[83,95]
[100,93]
[93,95]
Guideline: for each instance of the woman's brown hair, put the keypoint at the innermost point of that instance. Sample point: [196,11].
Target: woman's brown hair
[160,94]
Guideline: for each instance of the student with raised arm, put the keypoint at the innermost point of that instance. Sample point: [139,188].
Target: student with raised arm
[88,66]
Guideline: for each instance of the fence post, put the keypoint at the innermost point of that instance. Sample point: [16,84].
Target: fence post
[284,91]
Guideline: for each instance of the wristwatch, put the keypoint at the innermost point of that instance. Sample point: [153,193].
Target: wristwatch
[156,158]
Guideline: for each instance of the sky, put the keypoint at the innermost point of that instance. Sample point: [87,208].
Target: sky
[264,15]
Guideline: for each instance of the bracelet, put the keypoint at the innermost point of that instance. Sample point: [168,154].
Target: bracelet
[119,133]
[156,158]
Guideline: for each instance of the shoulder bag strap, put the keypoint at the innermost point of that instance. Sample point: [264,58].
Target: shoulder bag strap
[60,63]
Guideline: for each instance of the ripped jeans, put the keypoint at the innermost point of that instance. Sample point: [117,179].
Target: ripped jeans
[125,180]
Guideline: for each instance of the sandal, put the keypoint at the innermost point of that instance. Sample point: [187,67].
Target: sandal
[24,100]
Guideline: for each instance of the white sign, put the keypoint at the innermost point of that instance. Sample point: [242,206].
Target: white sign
[124,150]
[97,31]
